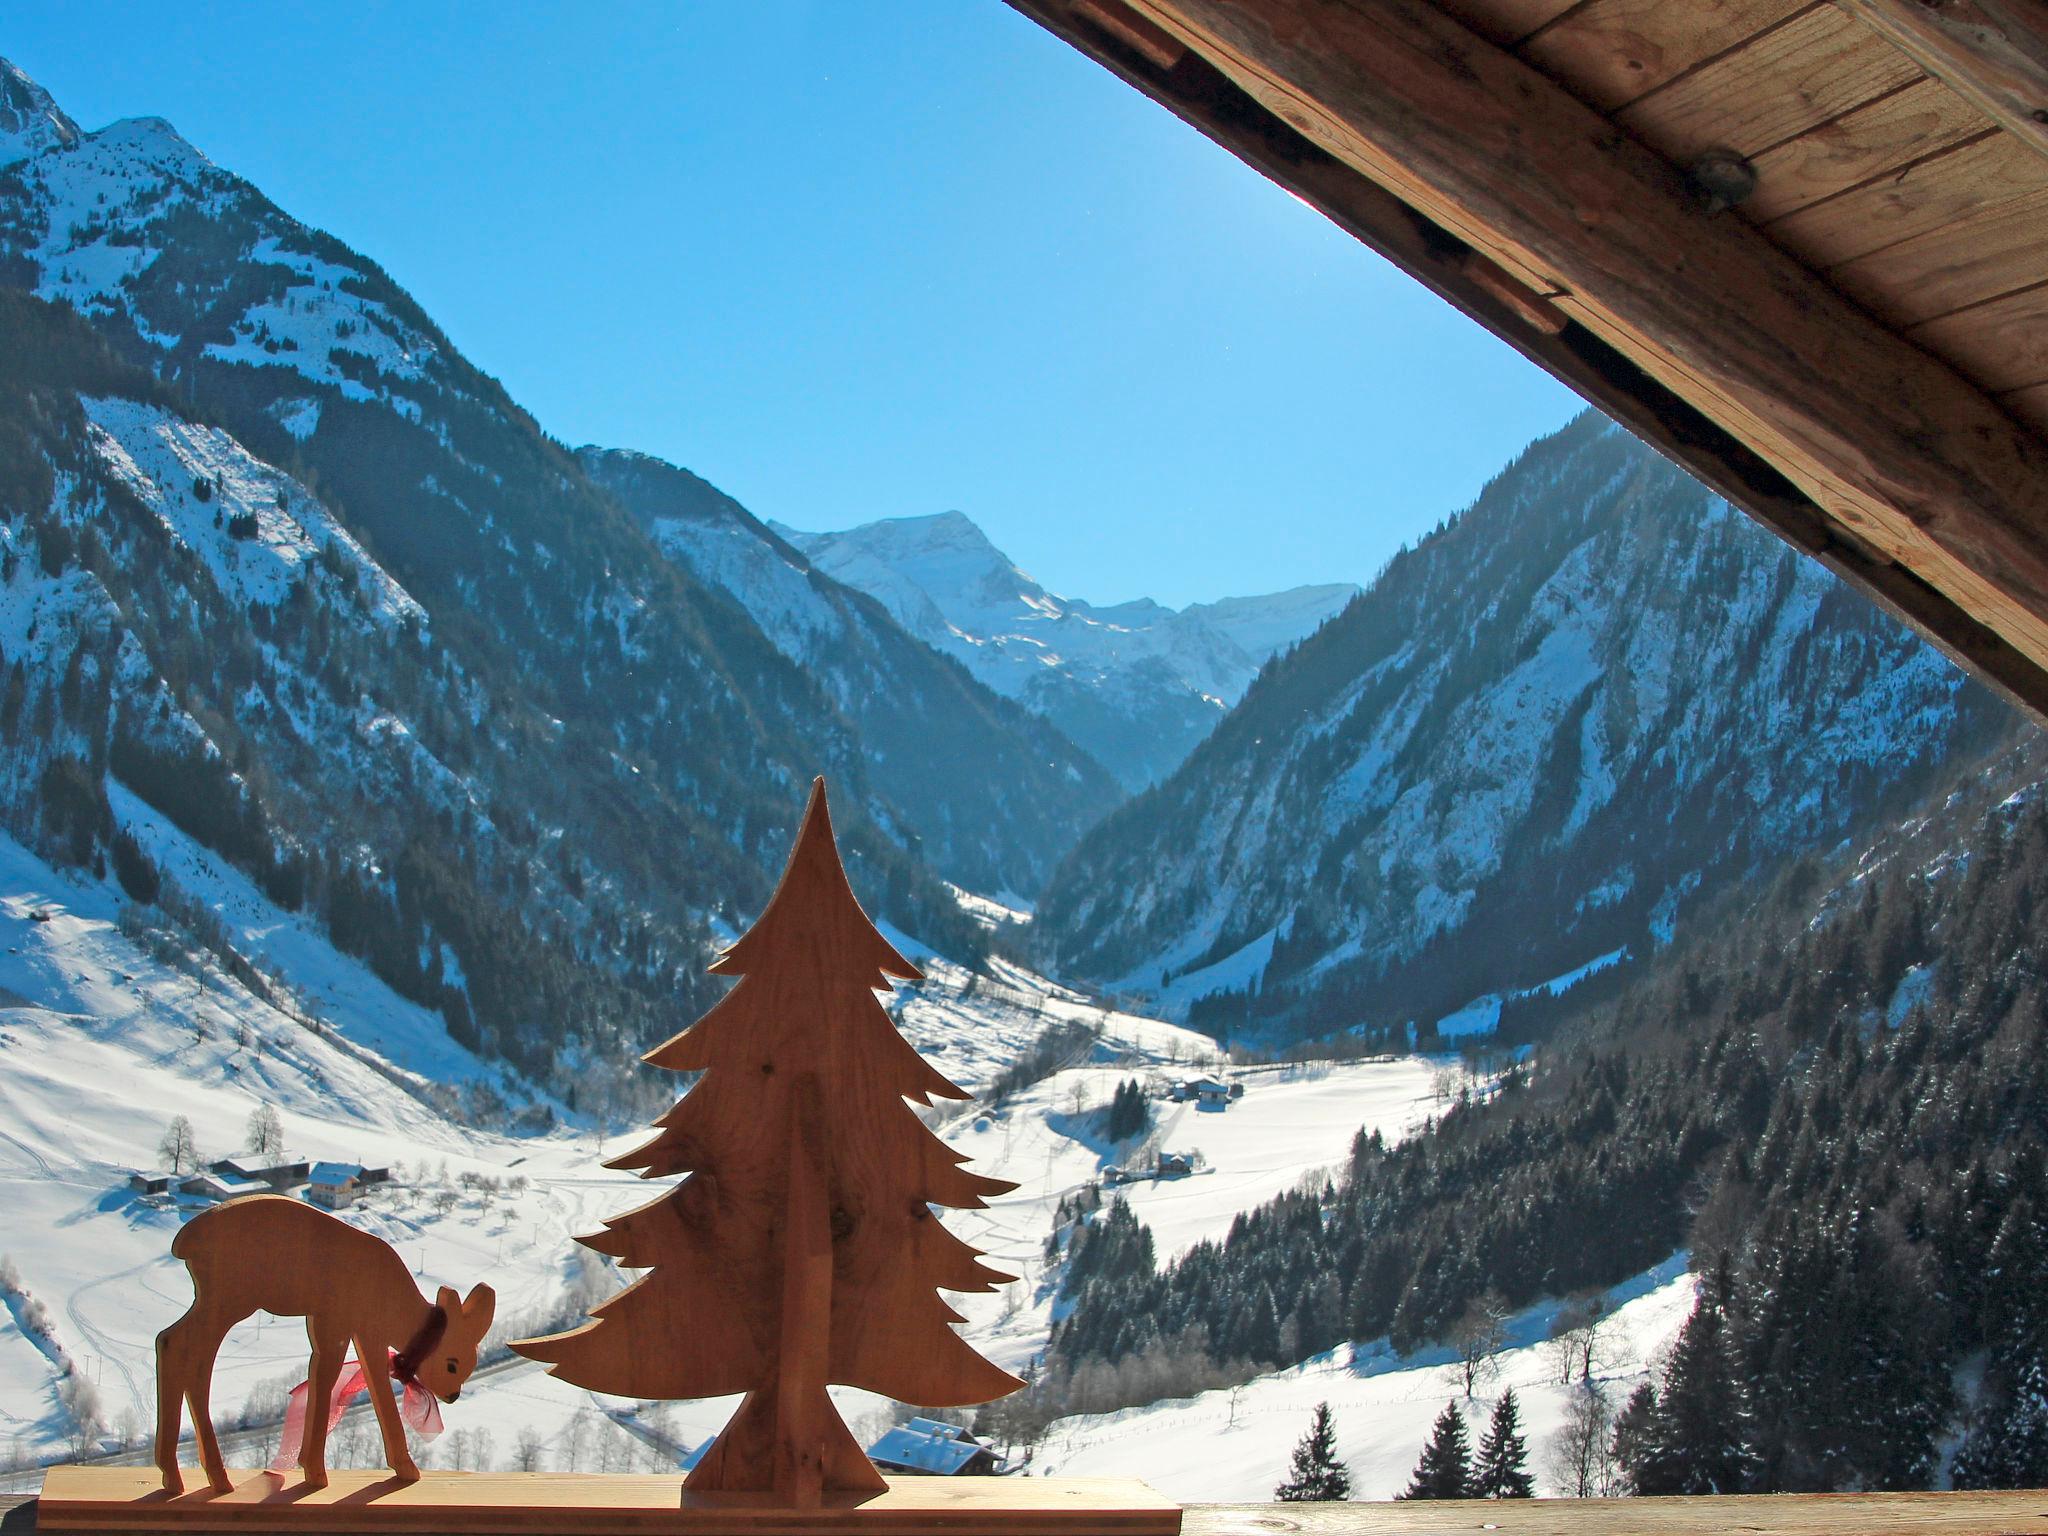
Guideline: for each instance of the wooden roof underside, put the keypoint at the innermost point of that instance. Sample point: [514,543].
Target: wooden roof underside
[1855,351]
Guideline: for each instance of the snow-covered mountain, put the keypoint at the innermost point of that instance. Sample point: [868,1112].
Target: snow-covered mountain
[285,563]
[30,122]
[1575,709]
[999,789]
[1137,684]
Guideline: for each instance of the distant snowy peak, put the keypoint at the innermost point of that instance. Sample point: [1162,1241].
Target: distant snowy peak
[1263,625]
[1136,683]
[30,122]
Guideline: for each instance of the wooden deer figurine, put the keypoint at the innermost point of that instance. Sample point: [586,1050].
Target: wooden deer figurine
[269,1253]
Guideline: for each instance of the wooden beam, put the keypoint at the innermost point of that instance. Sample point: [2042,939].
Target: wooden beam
[1823,1514]
[1994,53]
[1428,143]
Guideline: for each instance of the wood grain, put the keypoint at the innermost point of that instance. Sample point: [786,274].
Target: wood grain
[1875,139]
[1609,52]
[1506,22]
[1875,1514]
[1993,52]
[1998,249]
[1781,84]
[570,1504]
[1914,460]
[2003,345]
[1934,193]
[2029,405]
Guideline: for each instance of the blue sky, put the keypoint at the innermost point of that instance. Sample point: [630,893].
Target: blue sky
[852,260]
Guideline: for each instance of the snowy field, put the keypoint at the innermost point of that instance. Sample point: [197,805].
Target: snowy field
[1233,1447]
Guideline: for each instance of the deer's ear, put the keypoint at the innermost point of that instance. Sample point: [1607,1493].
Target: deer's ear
[480,1308]
[448,1301]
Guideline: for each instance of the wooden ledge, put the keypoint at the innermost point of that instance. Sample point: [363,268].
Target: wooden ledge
[101,1498]
[1841,1514]
[1778,1514]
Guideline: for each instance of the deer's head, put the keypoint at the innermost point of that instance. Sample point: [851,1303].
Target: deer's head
[448,1367]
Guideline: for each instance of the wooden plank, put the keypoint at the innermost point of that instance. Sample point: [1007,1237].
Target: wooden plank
[1928,195]
[2029,404]
[1506,22]
[1874,140]
[1856,417]
[1609,52]
[2003,345]
[1816,67]
[1839,1514]
[1997,250]
[572,1504]
[1898,1514]
[1992,52]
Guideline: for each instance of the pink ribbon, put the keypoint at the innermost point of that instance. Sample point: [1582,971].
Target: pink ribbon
[417,1408]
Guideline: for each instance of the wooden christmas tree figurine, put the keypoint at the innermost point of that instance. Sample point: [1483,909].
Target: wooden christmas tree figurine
[801,1249]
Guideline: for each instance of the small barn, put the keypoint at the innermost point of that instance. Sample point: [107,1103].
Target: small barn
[151,1183]
[930,1448]
[221,1186]
[334,1185]
[1210,1094]
[280,1174]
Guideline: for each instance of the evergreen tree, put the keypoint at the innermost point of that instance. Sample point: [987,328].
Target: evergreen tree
[1634,1427]
[1699,1434]
[1316,1474]
[1502,1468]
[1445,1470]
[2008,1447]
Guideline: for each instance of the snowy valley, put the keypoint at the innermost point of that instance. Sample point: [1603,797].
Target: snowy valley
[1606,912]
[109,1032]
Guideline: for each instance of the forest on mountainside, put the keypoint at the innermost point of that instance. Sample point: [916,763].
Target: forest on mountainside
[1834,1092]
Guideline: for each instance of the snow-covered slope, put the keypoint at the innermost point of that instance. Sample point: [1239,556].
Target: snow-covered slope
[1232,1446]
[1590,699]
[1137,684]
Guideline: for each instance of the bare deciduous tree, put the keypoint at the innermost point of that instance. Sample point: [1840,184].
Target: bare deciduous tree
[1580,1457]
[1477,1337]
[266,1131]
[178,1149]
[526,1452]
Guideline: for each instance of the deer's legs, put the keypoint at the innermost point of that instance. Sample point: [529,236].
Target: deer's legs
[328,1350]
[396,1456]
[185,1354]
[170,1403]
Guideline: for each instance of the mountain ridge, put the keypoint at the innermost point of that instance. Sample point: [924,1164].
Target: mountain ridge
[1542,733]
[1136,684]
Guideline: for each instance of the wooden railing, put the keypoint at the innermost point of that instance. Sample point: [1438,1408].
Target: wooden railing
[1832,1514]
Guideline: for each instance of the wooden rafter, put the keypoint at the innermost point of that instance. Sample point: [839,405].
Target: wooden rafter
[1994,53]
[1591,255]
